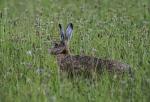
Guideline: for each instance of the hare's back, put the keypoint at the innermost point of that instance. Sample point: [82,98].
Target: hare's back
[80,63]
[87,63]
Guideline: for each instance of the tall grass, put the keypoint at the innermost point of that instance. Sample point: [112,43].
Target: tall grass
[112,29]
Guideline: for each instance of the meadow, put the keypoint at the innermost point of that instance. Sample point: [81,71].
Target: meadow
[112,29]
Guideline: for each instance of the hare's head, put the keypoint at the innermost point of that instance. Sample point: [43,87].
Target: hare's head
[62,46]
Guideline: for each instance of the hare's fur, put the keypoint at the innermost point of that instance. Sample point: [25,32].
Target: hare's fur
[78,63]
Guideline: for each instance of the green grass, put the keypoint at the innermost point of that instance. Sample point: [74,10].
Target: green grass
[113,29]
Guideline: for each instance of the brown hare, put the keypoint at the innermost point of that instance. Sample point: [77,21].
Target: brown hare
[77,63]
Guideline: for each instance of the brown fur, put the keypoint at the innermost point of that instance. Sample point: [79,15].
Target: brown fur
[78,63]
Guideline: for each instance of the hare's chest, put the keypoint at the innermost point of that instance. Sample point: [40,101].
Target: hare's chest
[66,62]
[60,58]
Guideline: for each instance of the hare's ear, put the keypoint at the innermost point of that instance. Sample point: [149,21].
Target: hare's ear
[62,34]
[69,31]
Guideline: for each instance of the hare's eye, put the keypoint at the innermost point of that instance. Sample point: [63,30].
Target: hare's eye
[56,44]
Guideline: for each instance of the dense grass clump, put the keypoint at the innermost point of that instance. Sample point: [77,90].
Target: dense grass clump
[113,29]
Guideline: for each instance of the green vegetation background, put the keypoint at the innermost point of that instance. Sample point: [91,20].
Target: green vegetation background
[115,29]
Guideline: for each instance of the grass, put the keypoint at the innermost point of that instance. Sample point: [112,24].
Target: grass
[112,29]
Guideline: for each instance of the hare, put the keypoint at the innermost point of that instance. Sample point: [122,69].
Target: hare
[77,63]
